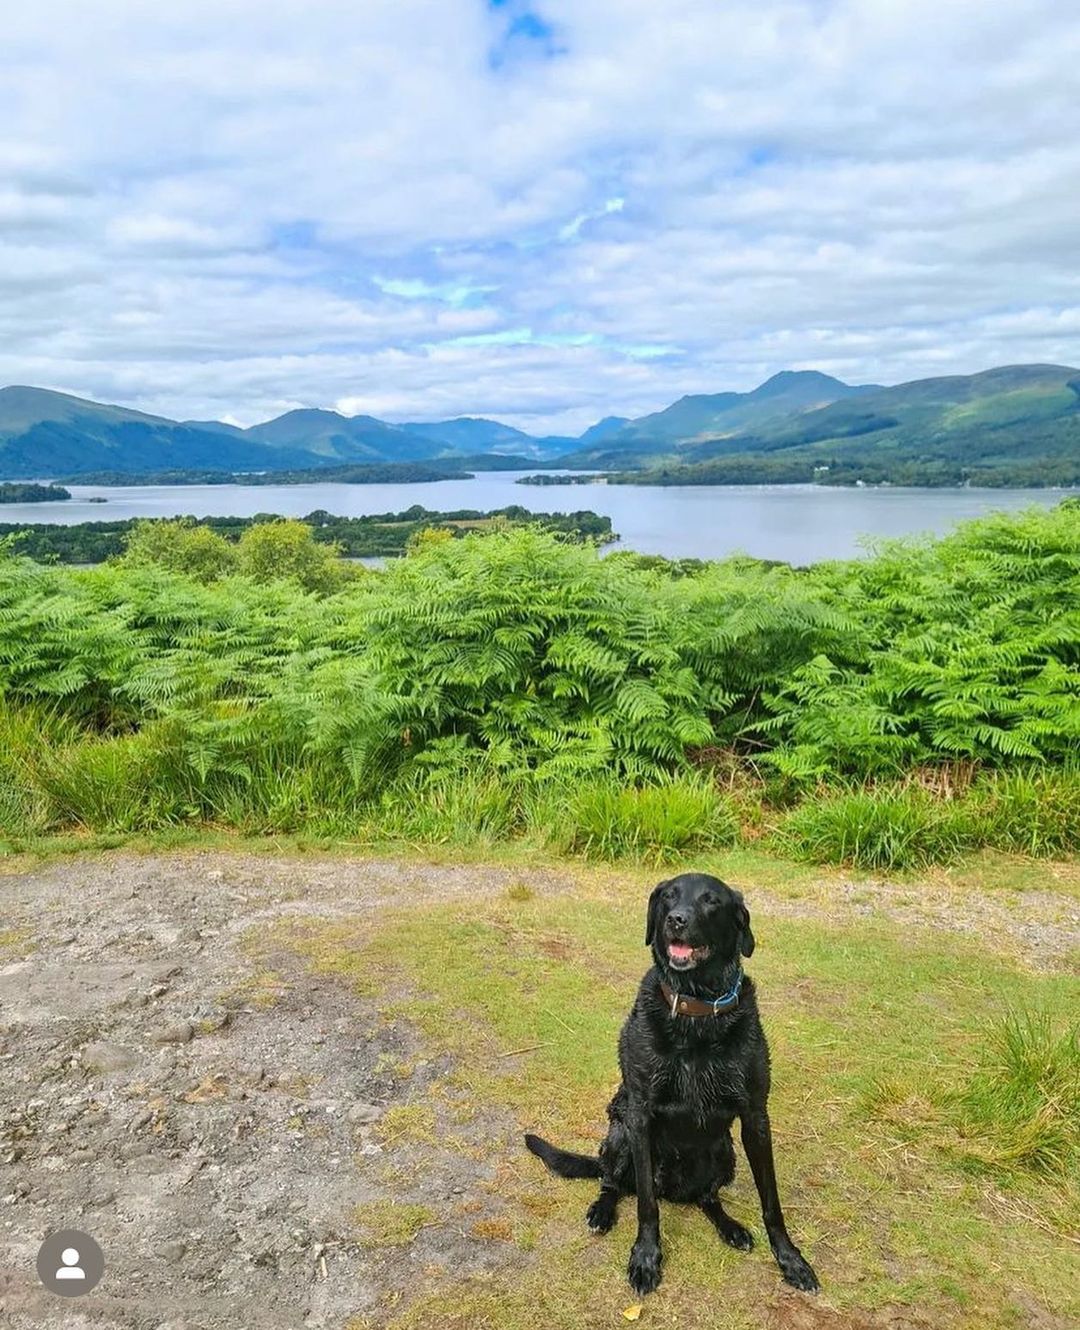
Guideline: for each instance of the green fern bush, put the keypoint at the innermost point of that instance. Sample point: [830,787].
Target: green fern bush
[483,685]
[970,649]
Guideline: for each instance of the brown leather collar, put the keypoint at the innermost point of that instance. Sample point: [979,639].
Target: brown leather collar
[681,1004]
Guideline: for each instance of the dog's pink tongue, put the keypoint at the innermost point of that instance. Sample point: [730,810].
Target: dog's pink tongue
[680,951]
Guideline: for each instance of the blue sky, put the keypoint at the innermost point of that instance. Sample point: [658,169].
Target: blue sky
[541,211]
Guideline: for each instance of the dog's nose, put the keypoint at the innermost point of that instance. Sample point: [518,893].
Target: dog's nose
[676,919]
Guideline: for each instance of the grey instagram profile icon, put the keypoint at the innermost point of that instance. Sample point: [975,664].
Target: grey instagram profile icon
[70,1263]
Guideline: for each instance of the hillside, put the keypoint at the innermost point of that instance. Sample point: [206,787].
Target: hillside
[1015,425]
[785,394]
[708,415]
[46,433]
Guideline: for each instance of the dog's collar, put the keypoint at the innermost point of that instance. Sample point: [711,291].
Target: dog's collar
[681,1004]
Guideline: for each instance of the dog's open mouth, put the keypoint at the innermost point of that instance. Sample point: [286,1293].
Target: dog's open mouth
[682,956]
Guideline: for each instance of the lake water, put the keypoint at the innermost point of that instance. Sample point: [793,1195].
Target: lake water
[797,523]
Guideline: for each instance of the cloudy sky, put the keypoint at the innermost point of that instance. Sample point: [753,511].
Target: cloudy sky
[540,210]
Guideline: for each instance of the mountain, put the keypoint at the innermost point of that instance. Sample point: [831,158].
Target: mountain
[218,426]
[730,413]
[929,412]
[340,438]
[45,433]
[1017,424]
[475,436]
[603,429]
[707,415]
[471,434]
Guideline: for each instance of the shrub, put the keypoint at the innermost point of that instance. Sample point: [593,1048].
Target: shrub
[288,549]
[182,547]
[549,678]
[968,647]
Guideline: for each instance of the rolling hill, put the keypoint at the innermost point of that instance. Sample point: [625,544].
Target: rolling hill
[1016,424]
[711,415]
[338,438]
[45,433]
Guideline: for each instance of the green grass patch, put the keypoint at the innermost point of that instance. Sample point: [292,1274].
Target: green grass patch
[391,1223]
[1035,813]
[874,828]
[1021,1108]
[930,1190]
[613,821]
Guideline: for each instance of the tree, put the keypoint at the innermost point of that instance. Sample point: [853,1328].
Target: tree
[183,546]
[288,549]
[427,538]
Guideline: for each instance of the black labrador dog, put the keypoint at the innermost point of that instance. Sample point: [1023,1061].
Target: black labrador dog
[693,1058]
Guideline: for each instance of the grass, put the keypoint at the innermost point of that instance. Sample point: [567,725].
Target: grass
[14,942]
[107,792]
[391,1223]
[924,1108]
[1034,813]
[407,1122]
[612,821]
[876,829]
[1021,1109]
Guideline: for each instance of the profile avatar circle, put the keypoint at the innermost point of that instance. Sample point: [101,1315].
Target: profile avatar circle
[70,1263]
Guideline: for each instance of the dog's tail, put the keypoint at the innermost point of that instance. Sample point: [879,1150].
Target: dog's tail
[563,1162]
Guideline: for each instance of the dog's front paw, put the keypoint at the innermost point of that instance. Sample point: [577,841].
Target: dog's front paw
[737,1236]
[600,1216]
[797,1270]
[644,1269]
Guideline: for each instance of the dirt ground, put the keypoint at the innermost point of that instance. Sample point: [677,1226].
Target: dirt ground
[216,1145]
[217,1120]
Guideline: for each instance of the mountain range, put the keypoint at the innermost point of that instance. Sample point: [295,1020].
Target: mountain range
[797,425]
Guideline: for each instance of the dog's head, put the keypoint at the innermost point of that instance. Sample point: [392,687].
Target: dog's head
[696,922]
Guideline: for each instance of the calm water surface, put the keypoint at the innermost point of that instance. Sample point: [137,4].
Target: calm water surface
[798,523]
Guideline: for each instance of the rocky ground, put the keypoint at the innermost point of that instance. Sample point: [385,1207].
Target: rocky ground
[213,1120]
[217,1114]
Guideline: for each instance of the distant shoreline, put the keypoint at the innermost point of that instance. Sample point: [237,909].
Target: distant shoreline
[32,491]
[380,535]
[648,481]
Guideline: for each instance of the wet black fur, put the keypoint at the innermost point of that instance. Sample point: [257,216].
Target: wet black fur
[684,1082]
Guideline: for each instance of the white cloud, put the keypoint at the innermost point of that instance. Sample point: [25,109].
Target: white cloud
[205,213]
[572,228]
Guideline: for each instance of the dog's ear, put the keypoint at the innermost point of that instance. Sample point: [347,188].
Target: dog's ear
[652,919]
[746,936]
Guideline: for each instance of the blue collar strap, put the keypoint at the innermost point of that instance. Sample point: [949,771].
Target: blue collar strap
[682,1004]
